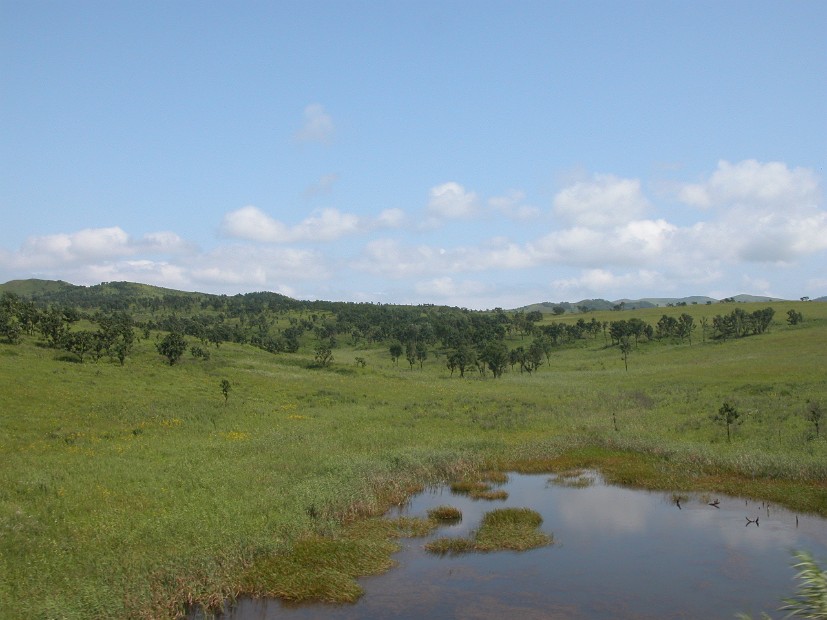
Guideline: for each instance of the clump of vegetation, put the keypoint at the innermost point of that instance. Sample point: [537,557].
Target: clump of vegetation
[810,600]
[445,513]
[728,415]
[573,478]
[479,489]
[512,529]
[469,487]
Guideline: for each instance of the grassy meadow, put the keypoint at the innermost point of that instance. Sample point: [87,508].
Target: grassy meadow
[131,491]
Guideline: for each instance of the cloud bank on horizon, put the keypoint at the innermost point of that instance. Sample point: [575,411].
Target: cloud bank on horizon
[746,217]
[389,171]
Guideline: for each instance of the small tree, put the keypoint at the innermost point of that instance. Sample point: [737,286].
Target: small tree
[172,347]
[324,354]
[793,317]
[410,353]
[625,349]
[495,355]
[396,352]
[728,415]
[421,353]
[225,390]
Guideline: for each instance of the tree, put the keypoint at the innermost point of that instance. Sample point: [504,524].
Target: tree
[495,355]
[686,325]
[396,352]
[323,353]
[172,347]
[461,359]
[728,414]
[793,317]
[625,349]
[410,353]
[421,353]
[225,390]
[558,310]
[79,343]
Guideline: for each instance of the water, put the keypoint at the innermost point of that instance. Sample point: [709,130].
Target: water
[618,553]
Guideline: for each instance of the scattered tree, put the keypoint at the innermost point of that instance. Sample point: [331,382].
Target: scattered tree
[728,415]
[172,347]
[625,349]
[495,355]
[225,390]
[323,354]
[396,352]
[793,317]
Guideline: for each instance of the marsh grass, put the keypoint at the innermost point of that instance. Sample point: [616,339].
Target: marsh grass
[504,529]
[449,514]
[575,479]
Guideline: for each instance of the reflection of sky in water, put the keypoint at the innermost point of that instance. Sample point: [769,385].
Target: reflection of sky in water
[619,553]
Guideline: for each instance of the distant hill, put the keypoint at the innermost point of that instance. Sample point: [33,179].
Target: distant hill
[122,293]
[647,302]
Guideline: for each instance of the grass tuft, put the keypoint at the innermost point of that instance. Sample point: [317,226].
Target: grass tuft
[445,513]
[514,529]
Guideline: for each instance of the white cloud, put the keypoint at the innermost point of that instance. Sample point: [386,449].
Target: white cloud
[89,245]
[636,242]
[604,201]
[451,200]
[446,288]
[753,184]
[512,206]
[318,125]
[390,218]
[605,283]
[253,224]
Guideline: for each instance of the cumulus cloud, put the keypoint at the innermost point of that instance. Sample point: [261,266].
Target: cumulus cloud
[253,224]
[635,242]
[450,201]
[753,184]
[317,126]
[603,201]
[512,206]
[89,245]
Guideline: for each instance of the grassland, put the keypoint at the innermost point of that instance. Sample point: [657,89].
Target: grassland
[132,491]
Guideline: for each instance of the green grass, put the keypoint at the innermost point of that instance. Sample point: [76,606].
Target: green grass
[130,491]
[504,529]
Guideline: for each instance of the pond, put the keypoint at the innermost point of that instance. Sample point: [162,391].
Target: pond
[618,553]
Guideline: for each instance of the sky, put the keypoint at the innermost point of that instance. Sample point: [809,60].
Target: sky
[471,153]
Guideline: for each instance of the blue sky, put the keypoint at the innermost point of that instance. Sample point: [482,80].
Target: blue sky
[477,154]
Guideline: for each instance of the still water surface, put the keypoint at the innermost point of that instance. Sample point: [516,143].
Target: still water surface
[618,553]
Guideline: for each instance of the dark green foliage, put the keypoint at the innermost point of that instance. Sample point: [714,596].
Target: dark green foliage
[323,354]
[225,389]
[79,343]
[794,317]
[625,349]
[728,415]
[495,355]
[172,347]
[395,351]
[740,323]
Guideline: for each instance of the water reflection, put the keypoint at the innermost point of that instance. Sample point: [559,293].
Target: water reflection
[619,553]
